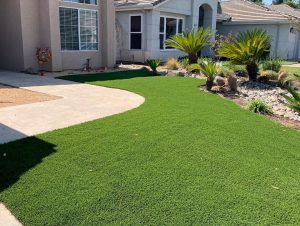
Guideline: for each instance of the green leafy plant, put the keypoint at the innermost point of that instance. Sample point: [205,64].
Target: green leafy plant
[184,62]
[224,71]
[204,59]
[154,64]
[273,64]
[259,106]
[294,101]
[246,48]
[266,76]
[191,42]
[208,69]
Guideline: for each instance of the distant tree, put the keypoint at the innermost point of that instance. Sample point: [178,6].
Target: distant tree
[292,3]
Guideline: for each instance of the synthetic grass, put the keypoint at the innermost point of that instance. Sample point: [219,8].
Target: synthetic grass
[293,70]
[185,157]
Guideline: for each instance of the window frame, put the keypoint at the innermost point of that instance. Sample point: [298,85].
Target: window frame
[70,2]
[79,38]
[178,18]
[141,32]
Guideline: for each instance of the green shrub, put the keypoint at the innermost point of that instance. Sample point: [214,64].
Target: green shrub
[153,64]
[273,64]
[205,60]
[266,76]
[294,101]
[184,62]
[259,106]
[240,70]
[224,71]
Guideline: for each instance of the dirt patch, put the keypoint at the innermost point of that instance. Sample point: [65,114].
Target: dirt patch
[13,96]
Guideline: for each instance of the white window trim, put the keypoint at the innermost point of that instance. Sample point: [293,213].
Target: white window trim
[78,3]
[141,32]
[79,38]
[165,30]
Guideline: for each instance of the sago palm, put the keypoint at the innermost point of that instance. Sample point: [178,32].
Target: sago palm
[191,42]
[208,69]
[294,101]
[246,48]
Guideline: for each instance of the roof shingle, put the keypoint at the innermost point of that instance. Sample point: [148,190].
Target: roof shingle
[246,11]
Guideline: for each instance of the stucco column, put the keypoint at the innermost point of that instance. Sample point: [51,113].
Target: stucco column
[50,31]
[108,33]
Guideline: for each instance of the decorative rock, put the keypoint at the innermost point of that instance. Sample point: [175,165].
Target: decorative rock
[220,81]
[232,82]
[272,95]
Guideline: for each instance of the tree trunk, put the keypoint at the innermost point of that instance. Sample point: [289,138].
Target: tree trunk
[252,70]
[193,58]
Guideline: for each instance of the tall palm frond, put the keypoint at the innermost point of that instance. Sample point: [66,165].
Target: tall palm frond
[246,48]
[191,42]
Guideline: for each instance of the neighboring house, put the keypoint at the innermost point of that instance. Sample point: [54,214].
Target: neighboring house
[144,25]
[244,15]
[74,30]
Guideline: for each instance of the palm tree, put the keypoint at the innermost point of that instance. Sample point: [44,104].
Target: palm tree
[246,48]
[191,42]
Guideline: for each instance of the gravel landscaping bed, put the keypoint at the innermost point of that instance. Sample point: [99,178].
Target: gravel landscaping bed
[272,95]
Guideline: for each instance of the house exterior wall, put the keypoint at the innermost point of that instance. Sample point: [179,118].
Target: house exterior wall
[189,11]
[36,24]
[283,42]
[11,45]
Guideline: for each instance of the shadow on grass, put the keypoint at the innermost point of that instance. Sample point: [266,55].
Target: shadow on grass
[109,76]
[18,157]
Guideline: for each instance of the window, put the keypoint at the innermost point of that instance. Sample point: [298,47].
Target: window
[78,29]
[135,32]
[89,2]
[169,27]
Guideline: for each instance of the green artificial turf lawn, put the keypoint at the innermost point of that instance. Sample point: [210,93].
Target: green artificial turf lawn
[293,70]
[185,157]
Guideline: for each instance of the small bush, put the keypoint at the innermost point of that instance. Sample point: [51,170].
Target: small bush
[184,63]
[172,64]
[154,64]
[259,106]
[266,76]
[273,64]
[205,60]
[239,70]
[224,71]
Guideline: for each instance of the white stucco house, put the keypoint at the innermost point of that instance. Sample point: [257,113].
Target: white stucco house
[244,15]
[144,25]
[106,31]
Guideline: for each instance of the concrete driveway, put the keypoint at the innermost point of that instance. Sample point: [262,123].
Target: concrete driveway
[78,103]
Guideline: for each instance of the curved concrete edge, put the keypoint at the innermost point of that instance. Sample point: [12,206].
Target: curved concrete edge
[6,218]
[79,103]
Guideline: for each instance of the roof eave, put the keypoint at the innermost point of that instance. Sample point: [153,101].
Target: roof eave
[257,22]
[133,8]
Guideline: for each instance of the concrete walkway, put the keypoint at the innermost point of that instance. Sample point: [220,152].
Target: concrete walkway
[79,103]
[6,218]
